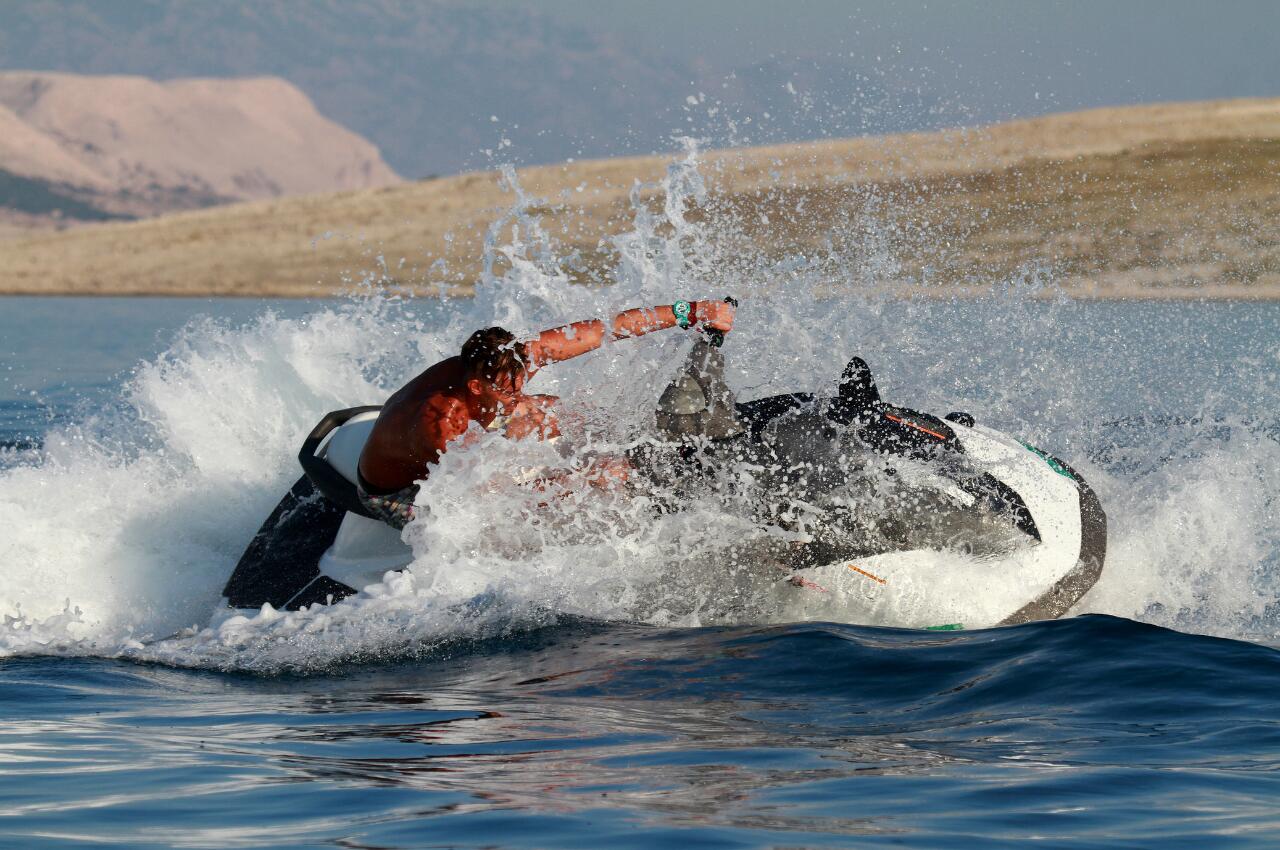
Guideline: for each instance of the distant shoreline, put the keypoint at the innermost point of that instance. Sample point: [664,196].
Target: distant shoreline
[1155,202]
[1217,294]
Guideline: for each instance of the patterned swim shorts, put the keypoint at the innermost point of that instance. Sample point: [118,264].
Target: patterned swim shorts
[395,509]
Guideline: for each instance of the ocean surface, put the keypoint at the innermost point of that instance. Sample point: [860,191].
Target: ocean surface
[511,727]
[561,677]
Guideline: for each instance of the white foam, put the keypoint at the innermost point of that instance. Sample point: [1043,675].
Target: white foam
[122,530]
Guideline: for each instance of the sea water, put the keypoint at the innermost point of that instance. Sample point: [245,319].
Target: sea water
[525,682]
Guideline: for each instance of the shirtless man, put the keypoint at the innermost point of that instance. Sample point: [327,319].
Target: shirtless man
[486,381]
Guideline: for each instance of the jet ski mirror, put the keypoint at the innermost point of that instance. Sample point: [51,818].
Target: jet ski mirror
[859,397]
[857,386]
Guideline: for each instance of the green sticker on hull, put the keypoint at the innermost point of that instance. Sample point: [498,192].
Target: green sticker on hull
[948,627]
[1054,463]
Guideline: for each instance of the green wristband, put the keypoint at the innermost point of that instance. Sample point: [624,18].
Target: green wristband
[683,309]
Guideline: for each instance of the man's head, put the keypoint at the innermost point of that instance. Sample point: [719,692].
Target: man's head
[495,364]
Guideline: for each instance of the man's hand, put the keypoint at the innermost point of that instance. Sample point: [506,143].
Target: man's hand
[533,415]
[716,315]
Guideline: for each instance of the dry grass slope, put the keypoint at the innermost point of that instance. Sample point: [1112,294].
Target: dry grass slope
[1159,201]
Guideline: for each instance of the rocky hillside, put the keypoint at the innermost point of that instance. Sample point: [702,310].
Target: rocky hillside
[84,148]
[423,79]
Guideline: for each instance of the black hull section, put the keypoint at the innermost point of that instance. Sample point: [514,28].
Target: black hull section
[281,565]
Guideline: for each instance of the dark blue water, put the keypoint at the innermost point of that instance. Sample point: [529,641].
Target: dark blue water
[1096,731]
[1089,732]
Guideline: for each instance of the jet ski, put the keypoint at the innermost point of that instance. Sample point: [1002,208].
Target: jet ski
[922,521]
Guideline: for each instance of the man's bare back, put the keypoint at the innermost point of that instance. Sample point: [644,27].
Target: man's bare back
[419,420]
[409,434]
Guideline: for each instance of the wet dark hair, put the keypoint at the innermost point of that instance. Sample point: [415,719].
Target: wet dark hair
[493,354]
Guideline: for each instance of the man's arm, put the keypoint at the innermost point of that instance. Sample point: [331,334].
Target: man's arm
[563,343]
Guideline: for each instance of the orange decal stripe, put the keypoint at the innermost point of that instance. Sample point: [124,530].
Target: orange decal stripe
[914,425]
[865,573]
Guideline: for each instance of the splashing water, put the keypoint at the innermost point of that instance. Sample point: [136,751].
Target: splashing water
[119,531]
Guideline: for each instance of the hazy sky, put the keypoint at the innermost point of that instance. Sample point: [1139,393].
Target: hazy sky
[997,57]
[454,85]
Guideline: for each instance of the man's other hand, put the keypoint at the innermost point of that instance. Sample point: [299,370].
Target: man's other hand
[533,415]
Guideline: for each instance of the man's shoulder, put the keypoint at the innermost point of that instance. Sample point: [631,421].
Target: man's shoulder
[432,392]
[447,371]
[442,378]
[446,400]
[445,413]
